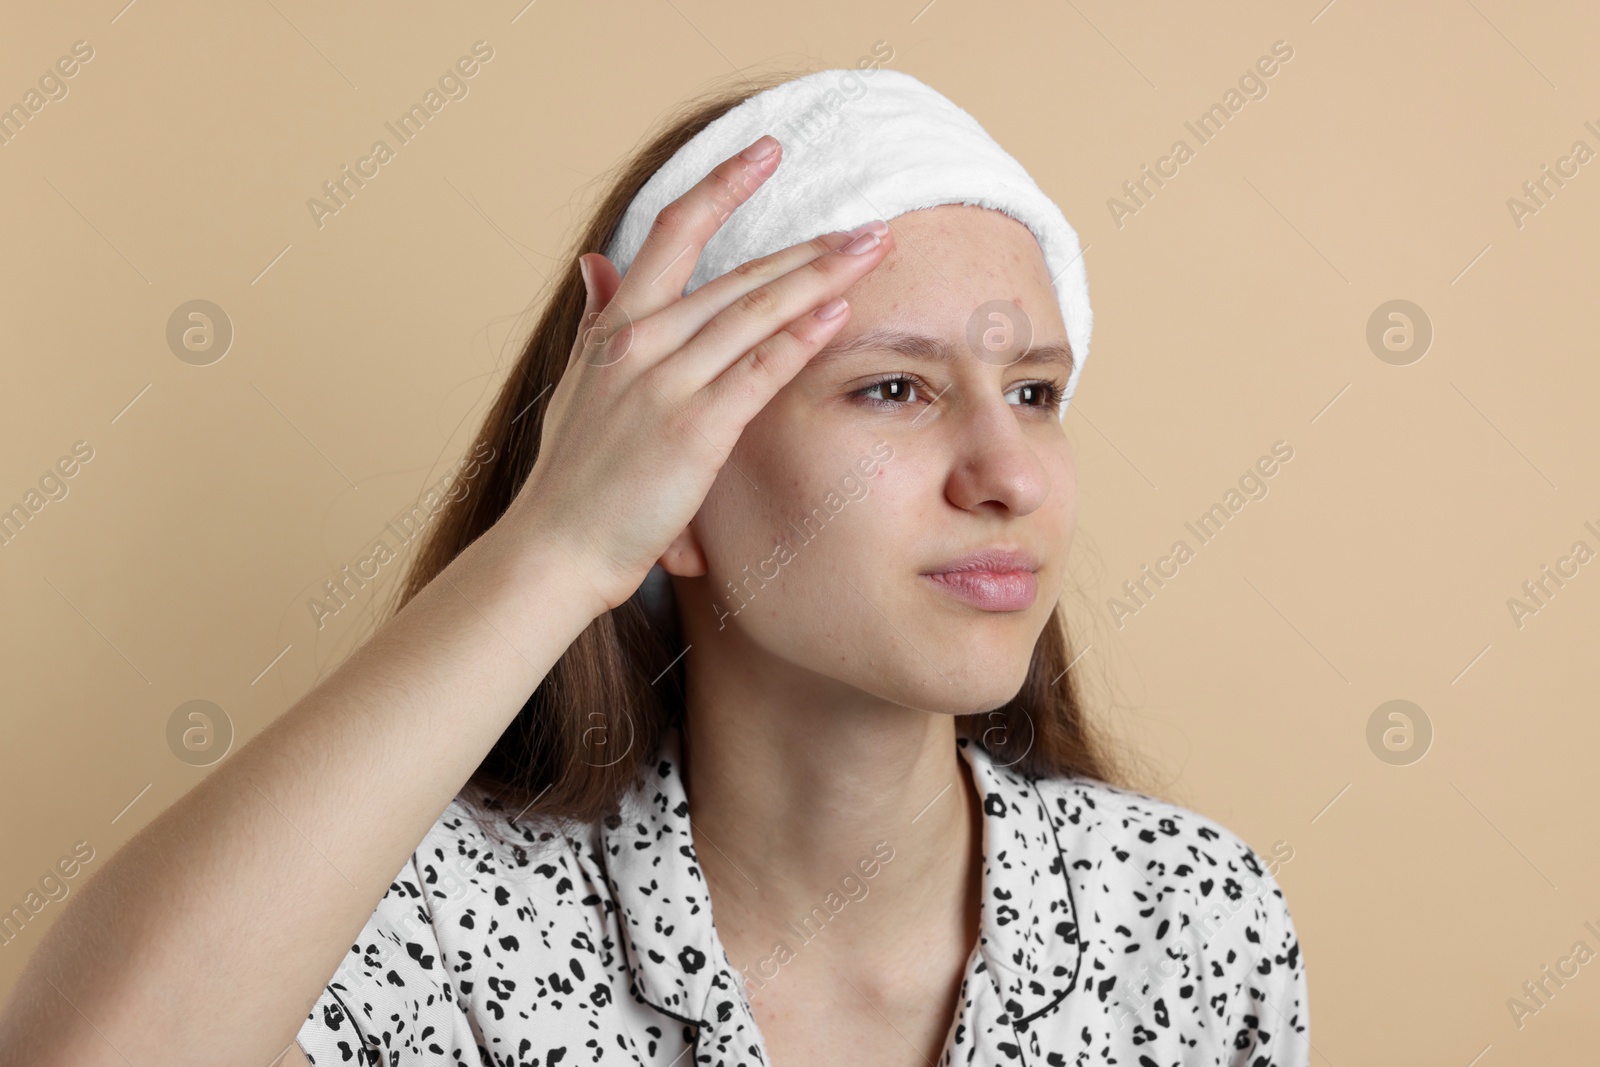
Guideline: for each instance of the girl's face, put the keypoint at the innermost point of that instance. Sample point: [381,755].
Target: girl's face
[880,463]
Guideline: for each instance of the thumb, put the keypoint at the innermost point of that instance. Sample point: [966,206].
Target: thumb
[588,282]
[600,279]
[600,283]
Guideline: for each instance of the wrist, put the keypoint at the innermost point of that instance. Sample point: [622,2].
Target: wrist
[539,571]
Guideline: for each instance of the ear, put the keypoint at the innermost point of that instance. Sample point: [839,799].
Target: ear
[684,557]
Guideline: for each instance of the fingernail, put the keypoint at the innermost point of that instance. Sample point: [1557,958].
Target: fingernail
[877,226]
[832,308]
[764,147]
[865,243]
[583,269]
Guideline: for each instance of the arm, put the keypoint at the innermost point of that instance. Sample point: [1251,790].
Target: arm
[210,934]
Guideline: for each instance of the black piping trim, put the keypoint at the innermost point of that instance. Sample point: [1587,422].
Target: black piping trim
[1077,919]
[625,943]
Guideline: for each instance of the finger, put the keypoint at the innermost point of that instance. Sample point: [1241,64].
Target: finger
[758,314]
[670,253]
[604,278]
[600,283]
[740,393]
[673,326]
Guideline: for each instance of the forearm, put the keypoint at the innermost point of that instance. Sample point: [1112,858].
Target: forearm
[208,936]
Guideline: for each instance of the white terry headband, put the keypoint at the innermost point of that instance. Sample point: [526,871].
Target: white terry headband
[857,146]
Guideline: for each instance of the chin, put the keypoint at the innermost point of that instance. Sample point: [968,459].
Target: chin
[973,703]
[961,685]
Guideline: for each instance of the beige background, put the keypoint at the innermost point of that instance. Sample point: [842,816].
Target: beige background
[1231,313]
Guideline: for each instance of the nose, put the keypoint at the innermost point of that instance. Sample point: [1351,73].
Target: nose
[994,461]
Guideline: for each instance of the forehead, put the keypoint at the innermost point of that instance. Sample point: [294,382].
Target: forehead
[972,221]
[1016,347]
[960,278]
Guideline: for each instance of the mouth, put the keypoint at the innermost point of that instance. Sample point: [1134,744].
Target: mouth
[1007,590]
[993,579]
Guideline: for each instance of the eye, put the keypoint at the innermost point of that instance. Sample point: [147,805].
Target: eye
[1043,394]
[1047,393]
[902,383]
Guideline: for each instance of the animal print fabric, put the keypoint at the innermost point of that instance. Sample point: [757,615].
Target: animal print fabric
[1117,928]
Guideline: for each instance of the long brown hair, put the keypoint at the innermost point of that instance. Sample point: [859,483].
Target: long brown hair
[585,733]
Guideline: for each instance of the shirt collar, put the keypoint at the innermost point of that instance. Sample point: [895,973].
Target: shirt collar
[1028,942]
[1029,936]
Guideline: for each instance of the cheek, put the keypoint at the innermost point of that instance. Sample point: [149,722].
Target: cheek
[736,521]
[797,458]
[1067,482]
[793,529]
[784,504]
[1057,469]
[746,501]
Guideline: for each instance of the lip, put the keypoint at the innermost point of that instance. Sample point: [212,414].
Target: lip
[994,579]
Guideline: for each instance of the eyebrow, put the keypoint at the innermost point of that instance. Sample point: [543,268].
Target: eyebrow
[929,349]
